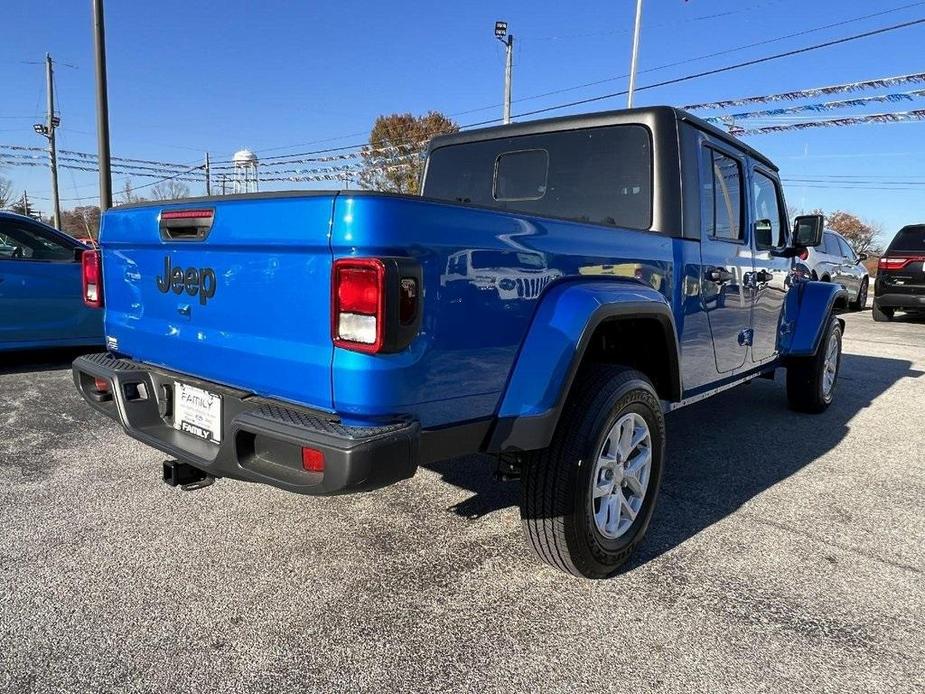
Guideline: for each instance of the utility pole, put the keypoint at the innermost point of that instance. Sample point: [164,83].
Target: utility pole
[508,41]
[636,30]
[47,130]
[102,107]
[208,176]
[51,124]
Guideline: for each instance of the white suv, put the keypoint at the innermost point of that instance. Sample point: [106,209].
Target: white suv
[835,261]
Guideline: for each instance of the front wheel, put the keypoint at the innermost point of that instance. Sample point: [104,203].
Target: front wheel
[811,380]
[586,501]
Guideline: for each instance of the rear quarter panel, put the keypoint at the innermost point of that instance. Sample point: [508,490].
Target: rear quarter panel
[472,329]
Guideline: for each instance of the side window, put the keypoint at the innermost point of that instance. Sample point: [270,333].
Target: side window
[846,250]
[830,245]
[722,196]
[27,242]
[521,175]
[766,195]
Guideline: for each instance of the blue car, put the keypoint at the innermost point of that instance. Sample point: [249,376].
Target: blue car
[41,302]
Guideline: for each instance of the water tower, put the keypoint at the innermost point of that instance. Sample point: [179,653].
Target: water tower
[245,172]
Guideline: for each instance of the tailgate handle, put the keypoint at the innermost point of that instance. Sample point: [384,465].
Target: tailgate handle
[186,225]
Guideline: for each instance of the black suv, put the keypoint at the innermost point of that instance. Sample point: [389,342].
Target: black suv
[900,281]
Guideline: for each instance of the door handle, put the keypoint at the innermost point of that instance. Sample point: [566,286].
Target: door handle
[720,275]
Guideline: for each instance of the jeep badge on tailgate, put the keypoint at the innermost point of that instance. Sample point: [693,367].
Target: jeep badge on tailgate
[194,281]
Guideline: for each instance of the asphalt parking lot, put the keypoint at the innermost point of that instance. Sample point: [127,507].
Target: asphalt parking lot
[786,554]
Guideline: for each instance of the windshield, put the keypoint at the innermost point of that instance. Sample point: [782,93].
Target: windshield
[600,175]
[911,238]
[526,261]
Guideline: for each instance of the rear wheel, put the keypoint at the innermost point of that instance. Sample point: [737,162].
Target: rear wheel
[586,501]
[882,315]
[860,303]
[811,380]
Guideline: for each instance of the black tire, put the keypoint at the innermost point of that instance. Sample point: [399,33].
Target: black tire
[806,375]
[882,315]
[556,507]
[860,303]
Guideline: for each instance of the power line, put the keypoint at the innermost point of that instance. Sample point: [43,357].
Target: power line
[726,68]
[563,90]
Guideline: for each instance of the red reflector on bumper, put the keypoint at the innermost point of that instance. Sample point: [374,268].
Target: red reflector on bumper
[312,460]
[101,385]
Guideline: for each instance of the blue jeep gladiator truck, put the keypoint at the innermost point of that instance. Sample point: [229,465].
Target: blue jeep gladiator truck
[558,287]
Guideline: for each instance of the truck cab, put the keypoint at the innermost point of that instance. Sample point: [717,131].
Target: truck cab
[556,289]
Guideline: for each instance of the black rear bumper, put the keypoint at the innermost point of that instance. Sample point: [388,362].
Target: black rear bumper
[262,439]
[905,300]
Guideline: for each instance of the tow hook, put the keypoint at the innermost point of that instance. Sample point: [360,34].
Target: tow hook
[185,476]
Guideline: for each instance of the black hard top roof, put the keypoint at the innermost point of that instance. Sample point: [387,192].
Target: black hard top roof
[591,120]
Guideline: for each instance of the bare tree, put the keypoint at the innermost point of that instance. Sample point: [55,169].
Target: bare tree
[81,222]
[6,192]
[128,194]
[393,161]
[171,189]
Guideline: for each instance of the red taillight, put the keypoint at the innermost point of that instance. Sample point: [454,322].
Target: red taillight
[358,304]
[312,460]
[804,253]
[898,263]
[92,279]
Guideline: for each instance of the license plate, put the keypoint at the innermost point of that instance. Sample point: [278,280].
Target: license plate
[197,412]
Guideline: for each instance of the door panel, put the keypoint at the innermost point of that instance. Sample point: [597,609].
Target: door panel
[851,278]
[771,278]
[42,301]
[726,257]
[40,286]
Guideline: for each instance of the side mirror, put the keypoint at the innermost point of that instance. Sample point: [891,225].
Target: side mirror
[807,230]
[763,231]
[862,256]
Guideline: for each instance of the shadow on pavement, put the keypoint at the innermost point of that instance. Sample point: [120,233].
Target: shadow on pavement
[721,453]
[42,359]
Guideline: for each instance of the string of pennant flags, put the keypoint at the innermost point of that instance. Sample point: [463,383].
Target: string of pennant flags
[880,83]
[817,108]
[902,117]
[351,162]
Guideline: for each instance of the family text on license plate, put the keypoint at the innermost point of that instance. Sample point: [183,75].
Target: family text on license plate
[197,412]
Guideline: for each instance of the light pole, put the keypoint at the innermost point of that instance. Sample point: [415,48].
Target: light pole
[632,87]
[508,41]
[47,129]
[102,107]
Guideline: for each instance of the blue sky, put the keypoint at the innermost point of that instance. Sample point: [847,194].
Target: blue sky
[277,77]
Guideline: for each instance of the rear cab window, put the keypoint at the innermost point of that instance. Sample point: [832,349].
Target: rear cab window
[600,175]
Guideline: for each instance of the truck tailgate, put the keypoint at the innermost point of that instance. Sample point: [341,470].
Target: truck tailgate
[244,302]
